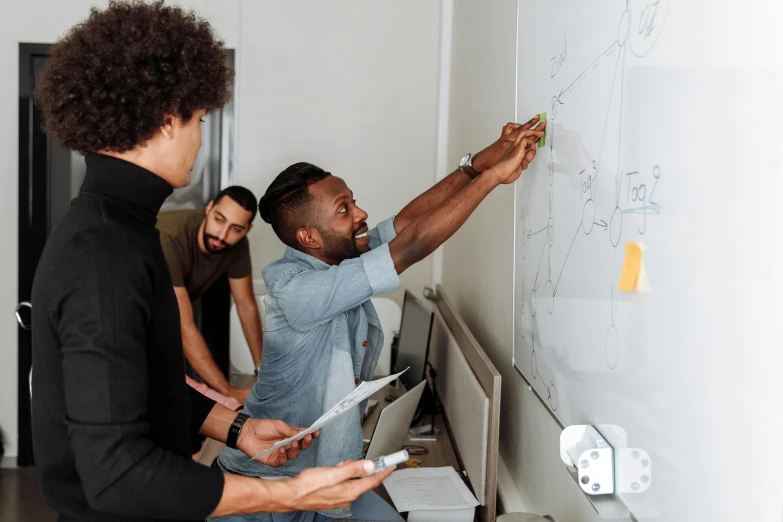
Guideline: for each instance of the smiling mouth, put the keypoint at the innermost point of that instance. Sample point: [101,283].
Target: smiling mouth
[361,233]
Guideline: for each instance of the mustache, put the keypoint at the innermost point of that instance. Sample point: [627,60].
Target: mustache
[361,226]
[220,241]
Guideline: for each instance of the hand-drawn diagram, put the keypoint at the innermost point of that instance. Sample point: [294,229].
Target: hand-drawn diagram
[631,203]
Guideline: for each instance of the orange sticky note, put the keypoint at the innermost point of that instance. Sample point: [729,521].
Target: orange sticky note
[633,263]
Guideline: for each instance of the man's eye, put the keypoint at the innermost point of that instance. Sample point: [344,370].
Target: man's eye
[344,209]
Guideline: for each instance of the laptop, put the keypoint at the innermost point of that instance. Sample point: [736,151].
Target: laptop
[392,427]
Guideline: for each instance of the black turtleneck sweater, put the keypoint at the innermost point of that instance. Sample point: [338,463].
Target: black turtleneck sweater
[112,415]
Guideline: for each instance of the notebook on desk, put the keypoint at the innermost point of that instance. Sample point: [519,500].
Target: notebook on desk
[392,427]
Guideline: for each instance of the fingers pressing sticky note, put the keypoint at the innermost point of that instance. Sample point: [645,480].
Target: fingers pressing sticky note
[629,277]
[542,141]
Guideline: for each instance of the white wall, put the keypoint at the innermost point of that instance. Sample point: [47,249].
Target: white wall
[42,21]
[478,266]
[349,85]
[20,22]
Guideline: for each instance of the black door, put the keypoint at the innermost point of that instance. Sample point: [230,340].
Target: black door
[49,177]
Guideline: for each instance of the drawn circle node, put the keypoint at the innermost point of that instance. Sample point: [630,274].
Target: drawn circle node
[534,364]
[551,231]
[550,296]
[646,26]
[553,401]
[616,226]
[612,347]
[588,216]
[522,321]
[533,303]
[625,28]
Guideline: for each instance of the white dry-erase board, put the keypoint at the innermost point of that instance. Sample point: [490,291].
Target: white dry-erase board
[665,129]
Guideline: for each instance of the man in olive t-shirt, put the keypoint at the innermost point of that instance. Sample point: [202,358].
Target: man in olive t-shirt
[201,246]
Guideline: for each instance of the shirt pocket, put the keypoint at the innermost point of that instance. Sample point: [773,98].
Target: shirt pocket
[342,333]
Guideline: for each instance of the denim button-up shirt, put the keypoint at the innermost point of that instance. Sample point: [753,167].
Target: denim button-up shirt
[321,335]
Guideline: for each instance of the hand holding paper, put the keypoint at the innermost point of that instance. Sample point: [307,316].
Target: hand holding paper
[361,392]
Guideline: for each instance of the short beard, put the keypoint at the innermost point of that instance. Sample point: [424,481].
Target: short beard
[340,248]
[208,246]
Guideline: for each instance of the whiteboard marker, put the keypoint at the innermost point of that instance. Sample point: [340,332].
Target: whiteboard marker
[381,463]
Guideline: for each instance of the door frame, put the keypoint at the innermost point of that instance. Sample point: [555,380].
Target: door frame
[35,155]
[33,225]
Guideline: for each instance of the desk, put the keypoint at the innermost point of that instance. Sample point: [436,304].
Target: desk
[440,453]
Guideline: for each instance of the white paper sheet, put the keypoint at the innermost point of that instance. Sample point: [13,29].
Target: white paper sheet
[361,392]
[428,489]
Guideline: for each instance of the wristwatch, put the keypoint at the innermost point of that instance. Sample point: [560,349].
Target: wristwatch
[235,429]
[466,166]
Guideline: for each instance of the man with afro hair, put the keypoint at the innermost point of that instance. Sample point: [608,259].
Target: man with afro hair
[112,415]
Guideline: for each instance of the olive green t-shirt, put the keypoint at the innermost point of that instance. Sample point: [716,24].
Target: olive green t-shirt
[190,267]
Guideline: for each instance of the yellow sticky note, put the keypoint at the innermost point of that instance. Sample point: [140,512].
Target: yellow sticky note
[633,263]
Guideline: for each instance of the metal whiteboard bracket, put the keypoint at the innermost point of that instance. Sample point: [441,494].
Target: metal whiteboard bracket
[615,479]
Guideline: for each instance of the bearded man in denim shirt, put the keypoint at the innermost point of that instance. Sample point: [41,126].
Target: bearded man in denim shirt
[322,336]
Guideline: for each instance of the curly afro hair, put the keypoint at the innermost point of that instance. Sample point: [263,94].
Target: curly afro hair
[117,77]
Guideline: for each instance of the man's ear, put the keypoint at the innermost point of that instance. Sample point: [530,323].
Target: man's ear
[209,207]
[167,129]
[309,238]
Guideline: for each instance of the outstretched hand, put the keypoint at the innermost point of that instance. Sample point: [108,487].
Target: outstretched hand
[489,156]
[518,157]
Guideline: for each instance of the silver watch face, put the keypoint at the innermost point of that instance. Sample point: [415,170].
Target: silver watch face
[464,161]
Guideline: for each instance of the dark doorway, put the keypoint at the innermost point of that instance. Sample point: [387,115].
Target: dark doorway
[44,193]
[50,177]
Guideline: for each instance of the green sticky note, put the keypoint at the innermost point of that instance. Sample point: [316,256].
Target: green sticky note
[542,141]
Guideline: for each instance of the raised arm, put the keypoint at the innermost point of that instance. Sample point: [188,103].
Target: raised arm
[430,230]
[457,180]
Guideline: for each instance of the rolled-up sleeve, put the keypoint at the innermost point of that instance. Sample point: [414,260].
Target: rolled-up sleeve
[314,297]
[379,267]
[383,233]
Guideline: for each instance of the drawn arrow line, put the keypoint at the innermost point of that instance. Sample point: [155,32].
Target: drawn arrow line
[565,90]
[554,292]
[531,234]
